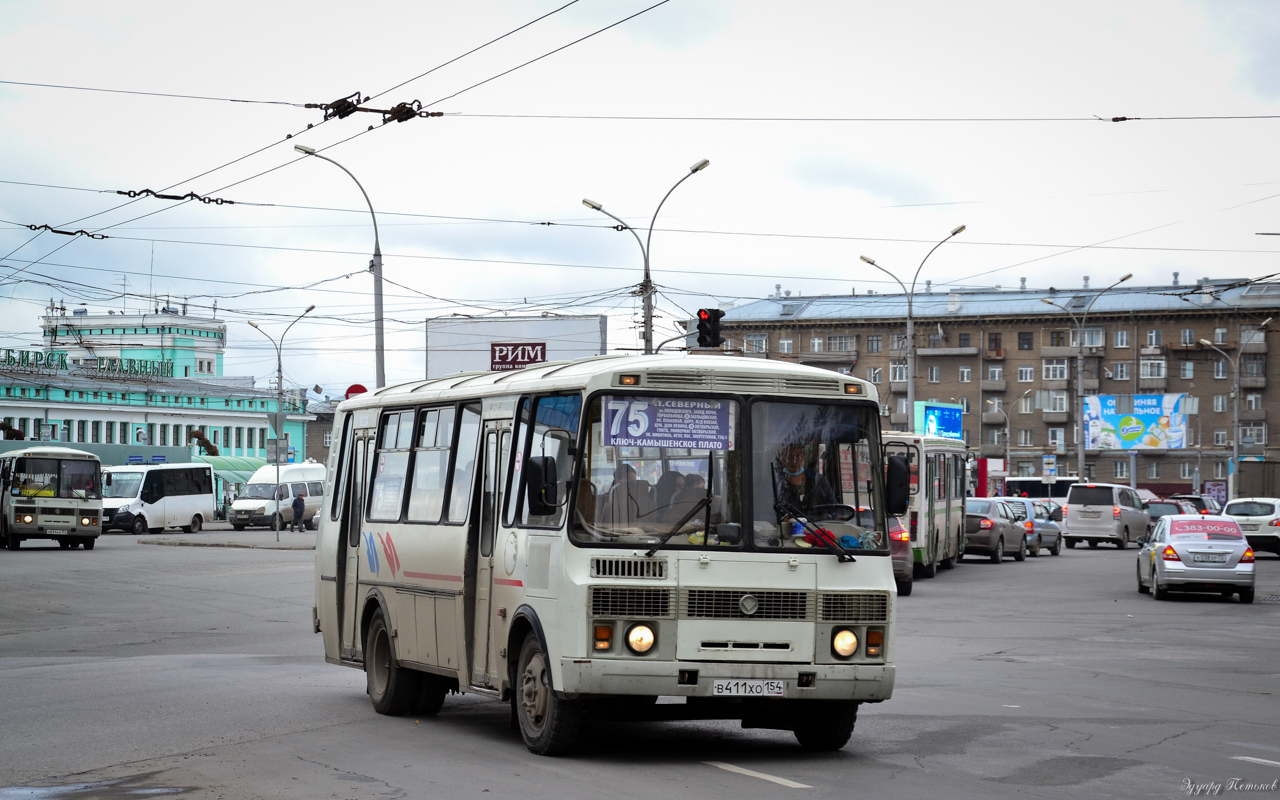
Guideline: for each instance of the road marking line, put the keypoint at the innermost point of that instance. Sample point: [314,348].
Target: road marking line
[1257,760]
[760,775]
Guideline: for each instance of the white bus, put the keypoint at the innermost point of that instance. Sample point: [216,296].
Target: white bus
[50,493]
[153,497]
[1039,488]
[935,517]
[598,533]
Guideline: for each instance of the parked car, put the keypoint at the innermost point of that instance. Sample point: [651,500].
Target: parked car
[901,554]
[990,527]
[1259,518]
[1038,521]
[1203,502]
[1196,553]
[1104,512]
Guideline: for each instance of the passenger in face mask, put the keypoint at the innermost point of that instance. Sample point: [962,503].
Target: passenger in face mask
[799,486]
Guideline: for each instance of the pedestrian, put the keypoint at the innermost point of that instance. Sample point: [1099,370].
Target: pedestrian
[299,509]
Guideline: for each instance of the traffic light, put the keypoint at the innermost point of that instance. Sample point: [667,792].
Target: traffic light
[709,327]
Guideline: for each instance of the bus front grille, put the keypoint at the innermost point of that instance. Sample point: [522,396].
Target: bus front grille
[627,601]
[655,568]
[733,604]
[854,607]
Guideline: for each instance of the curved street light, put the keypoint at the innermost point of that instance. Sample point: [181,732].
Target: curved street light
[1235,410]
[646,286]
[275,520]
[911,328]
[375,266]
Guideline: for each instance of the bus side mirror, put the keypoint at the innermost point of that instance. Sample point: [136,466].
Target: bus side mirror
[897,485]
[107,481]
[540,485]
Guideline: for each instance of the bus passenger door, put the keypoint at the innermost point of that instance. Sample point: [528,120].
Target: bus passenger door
[348,608]
[489,506]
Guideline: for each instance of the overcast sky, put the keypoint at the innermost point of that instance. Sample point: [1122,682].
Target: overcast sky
[888,125]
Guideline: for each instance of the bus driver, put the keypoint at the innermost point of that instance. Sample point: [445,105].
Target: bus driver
[799,486]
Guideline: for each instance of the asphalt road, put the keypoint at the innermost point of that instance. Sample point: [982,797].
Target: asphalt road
[138,670]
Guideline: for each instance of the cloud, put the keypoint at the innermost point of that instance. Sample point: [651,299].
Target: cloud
[882,182]
[1254,31]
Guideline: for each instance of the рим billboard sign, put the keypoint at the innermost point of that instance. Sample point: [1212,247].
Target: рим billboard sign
[1156,422]
[940,419]
[505,356]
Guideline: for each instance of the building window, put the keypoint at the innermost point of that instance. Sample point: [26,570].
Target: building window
[1121,469]
[1057,338]
[1153,470]
[1026,374]
[1093,337]
[1188,336]
[840,344]
[964,405]
[1026,437]
[1026,341]
[1122,370]
[111,433]
[935,374]
[1186,470]
[874,343]
[1219,403]
[1255,431]
[80,431]
[965,374]
[898,371]
[1220,369]
[1055,369]
[1151,368]
[875,374]
[755,343]
[1251,334]
[1056,437]
[784,346]
[996,403]
[262,438]
[1253,365]
[898,341]
[1253,401]
[1219,335]
[844,370]
[934,340]
[1026,405]
[1153,337]
[1026,469]
[1057,401]
[239,437]
[963,340]
[1219,470]
[995,435]
[993,341]
[328,438]
[995,372]
[97,432]
[1187,369]
[902,405]
[815,344]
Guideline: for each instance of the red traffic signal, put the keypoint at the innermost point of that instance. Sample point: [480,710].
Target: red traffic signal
[709,327]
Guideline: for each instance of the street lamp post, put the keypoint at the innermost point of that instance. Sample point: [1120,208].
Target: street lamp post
[1235,411]
[280,438]
[911,327]
[1079,404]
[1008,435]
[375,266]
[646,286]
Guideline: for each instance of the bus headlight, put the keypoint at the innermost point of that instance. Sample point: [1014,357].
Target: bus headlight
[640,639]
[844,643]
[28,519]
[84,520]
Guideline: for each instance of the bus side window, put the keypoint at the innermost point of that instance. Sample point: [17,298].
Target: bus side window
[153,487]
[340,471]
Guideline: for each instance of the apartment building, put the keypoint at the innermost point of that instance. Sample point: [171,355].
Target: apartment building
[1009,358]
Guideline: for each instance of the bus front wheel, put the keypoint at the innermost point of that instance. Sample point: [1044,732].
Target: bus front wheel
[548,725]
[139,526]
[392,688]
[824,727]
[88,542]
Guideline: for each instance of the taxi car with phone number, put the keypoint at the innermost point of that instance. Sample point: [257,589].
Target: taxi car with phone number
[1196,553]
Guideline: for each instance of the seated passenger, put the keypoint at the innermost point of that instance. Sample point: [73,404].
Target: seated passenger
[628,502]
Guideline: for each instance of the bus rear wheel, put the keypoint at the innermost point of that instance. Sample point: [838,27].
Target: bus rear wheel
[195,526]
[824,727]
[548,725]
[392,688]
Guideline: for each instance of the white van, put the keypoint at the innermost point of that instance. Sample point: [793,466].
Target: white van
[155,496]
[260,501]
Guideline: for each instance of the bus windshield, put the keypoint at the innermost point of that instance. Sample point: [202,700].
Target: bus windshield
[651,462]
[815,463]
[123,484]
[56,477]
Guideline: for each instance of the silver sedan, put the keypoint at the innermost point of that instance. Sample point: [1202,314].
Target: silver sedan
[1196,553]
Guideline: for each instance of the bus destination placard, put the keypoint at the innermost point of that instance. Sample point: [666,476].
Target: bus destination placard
[694,423]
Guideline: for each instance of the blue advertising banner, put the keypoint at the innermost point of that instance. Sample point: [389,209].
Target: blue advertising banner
[1157,422]
[695,423]
[940,419]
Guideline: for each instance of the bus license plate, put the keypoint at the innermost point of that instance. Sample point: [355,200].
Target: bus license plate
[57,530]
[731,688]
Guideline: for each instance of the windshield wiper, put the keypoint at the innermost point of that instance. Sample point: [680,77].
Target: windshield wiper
[698,506]
[785,509]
